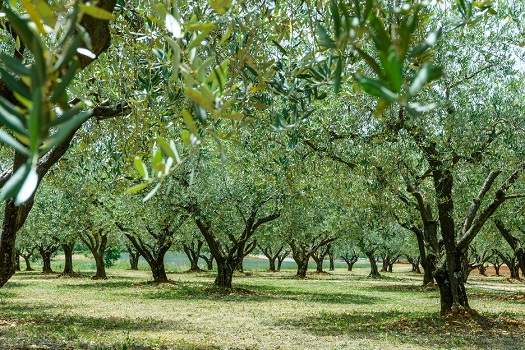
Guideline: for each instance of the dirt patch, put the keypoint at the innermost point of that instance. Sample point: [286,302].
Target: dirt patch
[503,270]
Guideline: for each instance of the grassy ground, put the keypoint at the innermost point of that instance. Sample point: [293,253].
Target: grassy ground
[343,310]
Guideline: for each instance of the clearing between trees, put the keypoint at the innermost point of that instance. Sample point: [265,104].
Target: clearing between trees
[339,310]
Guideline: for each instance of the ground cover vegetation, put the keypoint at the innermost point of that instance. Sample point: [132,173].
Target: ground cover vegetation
[336,129]
[337,311]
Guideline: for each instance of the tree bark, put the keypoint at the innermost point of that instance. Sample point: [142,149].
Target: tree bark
[225,269]
[374,272]
[511,263]
[101,268]
[272,257]
[47,251]
[446,294]
[68,257]
[154,257]
[302,268]
[280,258]
[27,259]
[482,270]
[46,259]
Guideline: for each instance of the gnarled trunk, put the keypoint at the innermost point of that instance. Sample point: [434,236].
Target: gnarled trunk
[97,245]
[281,257]
[47,251]
[68,257]
[225,268]
[101,268]
[374,272]
[302,268]
[318,263]
[158,271]
[446,291]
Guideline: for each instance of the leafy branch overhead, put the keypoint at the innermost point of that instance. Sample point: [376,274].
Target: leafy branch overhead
[398,59]
[41,117]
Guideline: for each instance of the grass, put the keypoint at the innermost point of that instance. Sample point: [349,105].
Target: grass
[265,310]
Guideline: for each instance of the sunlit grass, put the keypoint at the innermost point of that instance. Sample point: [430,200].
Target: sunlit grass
[340,310]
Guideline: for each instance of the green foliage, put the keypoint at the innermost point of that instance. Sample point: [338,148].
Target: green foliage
[42,117]
[111,255]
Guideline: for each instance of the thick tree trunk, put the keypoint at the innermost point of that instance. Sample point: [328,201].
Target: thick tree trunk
[302,268]
[332,262]
[350,260]
[429,267]
[225,270]
[496,269]
[482,270]
[374,272]
[68,257]
[272,264]
[350,264]
[14,218]
[446,293]
[46,259]
[240,266]
[385,263]
[158,270]
[318,264]
[101,268]
[47,252]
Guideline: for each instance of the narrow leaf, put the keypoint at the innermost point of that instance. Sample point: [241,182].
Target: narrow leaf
[325,40]
[12,142]
[65,81]
[28,187]
[141,167]
[15,85]
[137,188]
[15,182]
[15,65]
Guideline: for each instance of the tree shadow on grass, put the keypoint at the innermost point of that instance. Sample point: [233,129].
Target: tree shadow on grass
[481,332]
[396,288]
[44,326]
[250,293]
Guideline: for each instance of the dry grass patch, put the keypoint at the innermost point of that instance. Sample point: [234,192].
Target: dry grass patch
[263,311]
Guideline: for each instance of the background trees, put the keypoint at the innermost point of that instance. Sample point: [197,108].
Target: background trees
[235,103]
